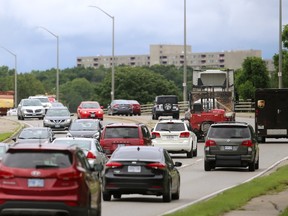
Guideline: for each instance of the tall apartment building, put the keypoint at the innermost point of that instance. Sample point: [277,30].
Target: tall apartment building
[174,55]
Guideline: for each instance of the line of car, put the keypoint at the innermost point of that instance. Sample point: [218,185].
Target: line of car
[137,160]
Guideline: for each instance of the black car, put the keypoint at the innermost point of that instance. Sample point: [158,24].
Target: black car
[165,105]
[145,170]
[231,144]
[57,118]
[90,128]
[35,134]
[120,107]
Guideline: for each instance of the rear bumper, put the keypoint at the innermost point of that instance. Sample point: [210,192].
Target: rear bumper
[230,160]
[42,208]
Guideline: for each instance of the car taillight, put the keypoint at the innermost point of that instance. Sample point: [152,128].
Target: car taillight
[156,165]
[156,134]
[6,175]
[70,175]
[209,143]
[247,143]
[141,142]
[90,155]
[184,135]
[71,203]
[113,164]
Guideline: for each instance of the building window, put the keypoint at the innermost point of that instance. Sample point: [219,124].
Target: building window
[221,55]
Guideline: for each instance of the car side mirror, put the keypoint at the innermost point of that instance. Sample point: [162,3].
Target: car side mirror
[177,164]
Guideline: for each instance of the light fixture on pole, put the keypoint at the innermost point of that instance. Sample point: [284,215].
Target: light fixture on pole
[57,72]
[113,59]
[185,59]
[15,77]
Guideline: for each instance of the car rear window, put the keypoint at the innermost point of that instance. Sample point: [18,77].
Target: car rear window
[84,144]
[146,155]
[80,126]
[229,132]
[121,132]
[37,159]
[170,127]
[173,100]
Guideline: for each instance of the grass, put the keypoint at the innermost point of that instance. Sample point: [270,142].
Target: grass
[4,136]
[238,196]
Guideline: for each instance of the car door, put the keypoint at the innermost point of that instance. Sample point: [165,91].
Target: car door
[172,171]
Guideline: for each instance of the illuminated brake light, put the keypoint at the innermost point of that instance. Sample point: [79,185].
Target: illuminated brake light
[184,135]
[113,164]
[70,175]
[90,155]
[247,143]
[209,143]
[156,166]
[6,175]
[156,134]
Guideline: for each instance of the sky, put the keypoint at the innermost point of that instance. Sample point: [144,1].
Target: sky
[82,30]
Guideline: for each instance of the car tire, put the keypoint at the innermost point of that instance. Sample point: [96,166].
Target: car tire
[190,153]
[167,196]
[176,196]
[19,118]
[207,166]
[252,166]
[106,196]
[195,152]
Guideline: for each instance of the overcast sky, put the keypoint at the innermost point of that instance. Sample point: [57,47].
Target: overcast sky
[212,25]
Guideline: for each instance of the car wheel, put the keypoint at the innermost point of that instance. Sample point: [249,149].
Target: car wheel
[252,166]
[195,152]
[106,196]
[257,164]
[19,118]
[167,196]
[190,154]
[167,106]
[176,195]
[207,166]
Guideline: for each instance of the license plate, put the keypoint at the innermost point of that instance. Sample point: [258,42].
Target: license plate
[170,137]
[134,169]
[57,125]
[35,182]
[228,147]
[92,115]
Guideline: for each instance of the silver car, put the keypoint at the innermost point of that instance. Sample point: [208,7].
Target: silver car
[90,146]
[57,118]
[30,108]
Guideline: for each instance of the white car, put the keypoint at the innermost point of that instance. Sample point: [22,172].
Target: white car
[175,136]
[12,112]
[30,108]
[44,101]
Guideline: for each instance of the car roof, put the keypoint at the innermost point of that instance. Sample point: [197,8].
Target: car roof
[89,102]
[171,120]
[86,120]
[230,123]
[124,125]
[36,128]
[140,148]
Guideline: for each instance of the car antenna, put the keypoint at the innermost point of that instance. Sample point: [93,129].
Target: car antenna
[138,148]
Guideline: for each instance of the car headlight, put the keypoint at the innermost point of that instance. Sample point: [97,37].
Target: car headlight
[46,121]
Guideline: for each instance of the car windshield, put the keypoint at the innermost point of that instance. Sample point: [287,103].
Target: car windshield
[121,132]
[37,159]
[228,132]
[84,126]
[34,134]
[91,105]
[43,99]
[32,102]
[170,127]
[83,144]
[57,112]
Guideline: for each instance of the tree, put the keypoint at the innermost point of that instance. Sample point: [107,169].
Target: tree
[254,74]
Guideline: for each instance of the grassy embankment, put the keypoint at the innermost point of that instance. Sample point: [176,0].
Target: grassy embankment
[238,196]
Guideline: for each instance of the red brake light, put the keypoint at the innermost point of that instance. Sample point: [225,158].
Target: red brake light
[90,155]
[70,175]
[156,134]
[184,135]
[113,164]
[247,143]
[209,143]
[5,174]
[156,165]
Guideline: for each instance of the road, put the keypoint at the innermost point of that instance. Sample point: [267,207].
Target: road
[196,184]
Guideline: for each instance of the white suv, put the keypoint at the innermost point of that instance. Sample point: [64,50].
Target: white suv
[175,136]
[44,101]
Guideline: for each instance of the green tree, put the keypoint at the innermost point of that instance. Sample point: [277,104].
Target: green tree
[254,74]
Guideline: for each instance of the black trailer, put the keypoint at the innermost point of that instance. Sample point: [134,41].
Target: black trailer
[271,113]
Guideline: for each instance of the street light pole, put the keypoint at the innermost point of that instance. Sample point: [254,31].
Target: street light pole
[280,45]
[15,77]
[113,59]
[185,59]
[57,54]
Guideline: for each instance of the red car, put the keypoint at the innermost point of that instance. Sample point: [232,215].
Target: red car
[90,109]
[45,179]
[115,135]
[136,107]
